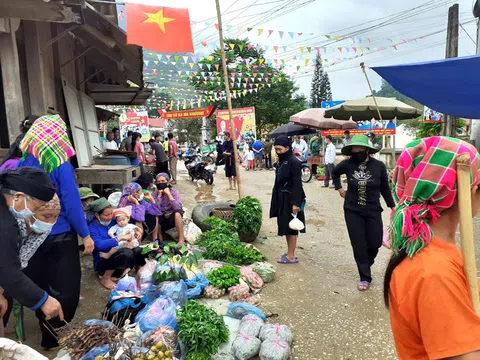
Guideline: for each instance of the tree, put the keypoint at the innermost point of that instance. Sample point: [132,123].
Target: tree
[321,89]
[275,99]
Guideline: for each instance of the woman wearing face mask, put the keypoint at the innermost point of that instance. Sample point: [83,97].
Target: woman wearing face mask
[132,195]
[22,193]
[288,197]
[169,205]
[33,232]
[123,259]
[46,146]
[366,178]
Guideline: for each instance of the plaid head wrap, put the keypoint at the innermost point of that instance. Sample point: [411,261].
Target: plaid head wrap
[129,189]
[48,142]
[425,184]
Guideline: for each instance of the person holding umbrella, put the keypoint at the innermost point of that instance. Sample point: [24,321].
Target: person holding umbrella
[367,179]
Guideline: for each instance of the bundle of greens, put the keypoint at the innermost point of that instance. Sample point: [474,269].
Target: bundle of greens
[201,330]
[224,277]
[247,216]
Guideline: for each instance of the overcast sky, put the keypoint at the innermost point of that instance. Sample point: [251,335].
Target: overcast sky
[331,17]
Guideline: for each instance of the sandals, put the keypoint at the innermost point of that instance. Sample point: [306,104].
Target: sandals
[363,285]
[285,260]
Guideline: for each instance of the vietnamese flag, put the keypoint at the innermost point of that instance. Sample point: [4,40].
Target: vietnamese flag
[159,28]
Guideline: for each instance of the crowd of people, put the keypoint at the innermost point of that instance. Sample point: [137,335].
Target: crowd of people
[425,289]
[44,213]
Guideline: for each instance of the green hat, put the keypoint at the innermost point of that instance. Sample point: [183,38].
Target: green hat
[359,140]
[86,193]
[97,206]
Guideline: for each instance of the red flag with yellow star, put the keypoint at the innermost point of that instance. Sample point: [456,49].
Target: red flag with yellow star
[160,29]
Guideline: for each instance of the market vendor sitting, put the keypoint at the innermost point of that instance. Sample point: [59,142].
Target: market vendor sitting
[169,204]
[123,259]
[87,196]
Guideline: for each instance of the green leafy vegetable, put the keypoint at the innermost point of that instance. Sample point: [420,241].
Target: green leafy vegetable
[174,261]
[247,215]
[224,277]
[201,330]
[221,225]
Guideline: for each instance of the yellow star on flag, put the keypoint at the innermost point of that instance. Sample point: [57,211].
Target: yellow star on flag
[159,19]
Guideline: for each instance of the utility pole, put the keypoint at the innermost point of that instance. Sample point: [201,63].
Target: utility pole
[229,100]
[449,123]
[475,126]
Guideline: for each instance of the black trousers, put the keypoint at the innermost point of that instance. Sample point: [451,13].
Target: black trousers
[162,166]
[268,161]
[328,173]
[55,267]
[366,232]
[121,260]
[314,169]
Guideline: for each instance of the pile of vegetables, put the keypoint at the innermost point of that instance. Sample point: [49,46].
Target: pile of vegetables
[222,245]
[224,277]
[201,330]
[247,216]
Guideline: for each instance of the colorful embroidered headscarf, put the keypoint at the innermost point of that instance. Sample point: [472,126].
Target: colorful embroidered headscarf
[425,184]
[47,140]
[129,189]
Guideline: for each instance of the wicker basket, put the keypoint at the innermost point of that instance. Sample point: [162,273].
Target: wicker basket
[224,213]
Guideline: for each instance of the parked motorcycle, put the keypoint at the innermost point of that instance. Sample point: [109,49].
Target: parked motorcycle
[197,169]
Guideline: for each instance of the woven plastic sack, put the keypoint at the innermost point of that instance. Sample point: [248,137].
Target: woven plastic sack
[196,285]
[238,310]
[245,347]
[211,265]
[265,270]
[274,349]
[238,292]
[274,331]
[175,290]
[251,325]
[163,333]
[252,277]
[160,312]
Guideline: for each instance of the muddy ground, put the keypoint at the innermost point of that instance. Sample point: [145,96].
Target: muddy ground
[317,298]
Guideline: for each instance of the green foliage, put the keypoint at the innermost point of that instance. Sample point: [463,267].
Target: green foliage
[247,216]
[201,330]
[189,130]
[224,277]
[228,248]
[219,224]
[174,273]
[433,129]
[273,105]
[321,89]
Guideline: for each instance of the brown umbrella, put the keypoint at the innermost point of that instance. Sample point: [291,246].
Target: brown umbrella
[315,118]
[365,109]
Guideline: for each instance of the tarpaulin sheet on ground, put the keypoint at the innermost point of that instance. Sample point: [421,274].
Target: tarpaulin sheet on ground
[448,86]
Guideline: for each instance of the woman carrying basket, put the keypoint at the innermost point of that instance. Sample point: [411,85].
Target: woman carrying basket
[425,288]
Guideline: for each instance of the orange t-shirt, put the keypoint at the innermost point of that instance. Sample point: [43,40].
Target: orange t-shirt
[430,309]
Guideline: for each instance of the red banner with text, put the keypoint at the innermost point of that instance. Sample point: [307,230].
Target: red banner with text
[378,132]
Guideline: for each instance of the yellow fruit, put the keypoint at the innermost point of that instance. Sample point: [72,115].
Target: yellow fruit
[160,354]
[168,353]
[159,345]
[99,357]
[153,349]
[151,357]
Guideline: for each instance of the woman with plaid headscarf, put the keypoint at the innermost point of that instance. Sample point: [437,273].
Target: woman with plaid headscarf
[56,264]
[425,288]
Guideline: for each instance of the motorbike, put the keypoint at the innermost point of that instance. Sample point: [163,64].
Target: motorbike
[197,169]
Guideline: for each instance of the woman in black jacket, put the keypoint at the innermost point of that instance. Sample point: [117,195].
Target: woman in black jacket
[288,197]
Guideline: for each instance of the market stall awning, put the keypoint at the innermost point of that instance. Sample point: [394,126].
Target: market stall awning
[450,86]
[315,118]
[106,94]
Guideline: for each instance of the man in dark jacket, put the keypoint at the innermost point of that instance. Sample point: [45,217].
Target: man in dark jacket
[22,193]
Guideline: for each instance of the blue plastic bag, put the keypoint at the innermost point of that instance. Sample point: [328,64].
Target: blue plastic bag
[238,310]
[98,322]
[196,286]
[127,283]
[98,351]
[160,312]
[175,290]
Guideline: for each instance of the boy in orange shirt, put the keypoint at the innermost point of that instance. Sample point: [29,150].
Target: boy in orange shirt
[425,290]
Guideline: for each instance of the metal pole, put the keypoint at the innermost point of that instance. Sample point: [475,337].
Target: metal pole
[229,99]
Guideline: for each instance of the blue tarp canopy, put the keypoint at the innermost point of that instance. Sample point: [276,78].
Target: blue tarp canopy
[450,86]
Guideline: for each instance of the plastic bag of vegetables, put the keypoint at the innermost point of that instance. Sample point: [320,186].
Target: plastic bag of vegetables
[245,347]
[274,331]
[266,271]
[251,325]
[274,349]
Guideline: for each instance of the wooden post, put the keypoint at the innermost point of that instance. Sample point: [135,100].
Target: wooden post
[229,100]
[475,127]
[11,78]
[466,228]
[449,125]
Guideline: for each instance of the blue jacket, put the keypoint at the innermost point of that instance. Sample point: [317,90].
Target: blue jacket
[103,242]
[71,214]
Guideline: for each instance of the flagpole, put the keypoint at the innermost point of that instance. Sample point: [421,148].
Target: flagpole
[229,99]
